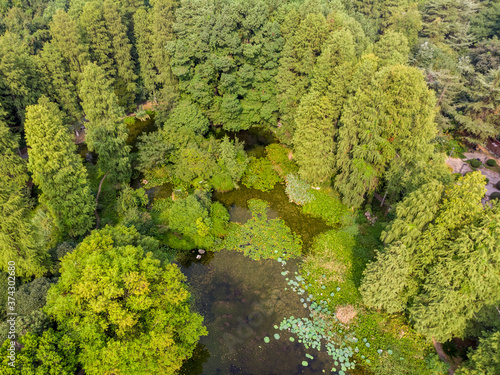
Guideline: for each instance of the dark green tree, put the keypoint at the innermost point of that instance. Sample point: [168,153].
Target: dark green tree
[106,132]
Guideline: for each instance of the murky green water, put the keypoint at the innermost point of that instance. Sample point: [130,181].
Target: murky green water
[241,300]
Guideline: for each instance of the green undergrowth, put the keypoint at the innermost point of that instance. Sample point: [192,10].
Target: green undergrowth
[106,207]
[279,157]
[326,205]
[338,322]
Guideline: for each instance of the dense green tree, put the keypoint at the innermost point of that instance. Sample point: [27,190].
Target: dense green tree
[388,124]
[17,235]
[58,170]
[129,313]
[232,159]
[20,83]
[66,37]
[392,49]
[486,24]
[314,138]
[125,85]
[303,41]
[106,132]
[61,86]
[95,36]
[441,257]
[485,360]
[186,115]
[50,353]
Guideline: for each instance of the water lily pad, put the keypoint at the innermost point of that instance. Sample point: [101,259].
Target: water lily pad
[304,363]
[292,339]
[266,339]
[277,336]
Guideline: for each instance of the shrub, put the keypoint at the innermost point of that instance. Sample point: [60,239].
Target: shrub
[456,176]
[260,175]
[497,185]
[474,163]
[261,237]
[495,195]
[278,155]
[222,182]
[491,162]
[326,207]
[298,191]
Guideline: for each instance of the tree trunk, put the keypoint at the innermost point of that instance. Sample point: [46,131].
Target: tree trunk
[97,200]
[443,356]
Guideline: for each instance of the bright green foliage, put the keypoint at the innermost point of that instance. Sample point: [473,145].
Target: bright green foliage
[17,235]
[327,206]
[66,37]
[440,258]
[96,37]
[129,313]
[462,281]
[392,49]
[58,170]
[187,115]
[314,142]
[281,157]
[106,132]
[260,175]
[125,85]
[194,165]
[225,57]
[20,83]
[261,237]
[303,41]
[130,199]
[62,87]
[233,162]
[51,353]
[317,115]
[297,190]
[388,124]
[153,31]
[194,220]
[485,360]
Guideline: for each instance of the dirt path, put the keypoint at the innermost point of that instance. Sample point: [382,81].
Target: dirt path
[460,166]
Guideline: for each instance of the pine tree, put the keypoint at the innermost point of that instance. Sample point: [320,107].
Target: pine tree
[106,132]
[392,49]
[388,124]
[485,360]
[125,85]
[303,42]
[63,88]
[20,83]
[314,138]
[17,237]
[66,37]
[58,170]
[442,251]
[143,43]
[96,37]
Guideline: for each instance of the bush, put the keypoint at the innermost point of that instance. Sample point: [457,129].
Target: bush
[474,163]
[456,176]
[260,237]
[260,175]
[278,155]
[326,207]
[298,191]
[491,162]
[497,185]
[495,195]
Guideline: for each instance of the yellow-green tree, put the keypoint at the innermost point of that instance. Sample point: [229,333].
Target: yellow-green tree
[129,313]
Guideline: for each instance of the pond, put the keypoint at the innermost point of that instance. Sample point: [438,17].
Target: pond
[241,300]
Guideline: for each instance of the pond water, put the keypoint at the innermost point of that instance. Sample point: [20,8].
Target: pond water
[241,300]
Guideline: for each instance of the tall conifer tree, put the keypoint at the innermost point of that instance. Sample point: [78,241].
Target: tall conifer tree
[106,131]
[58,170]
